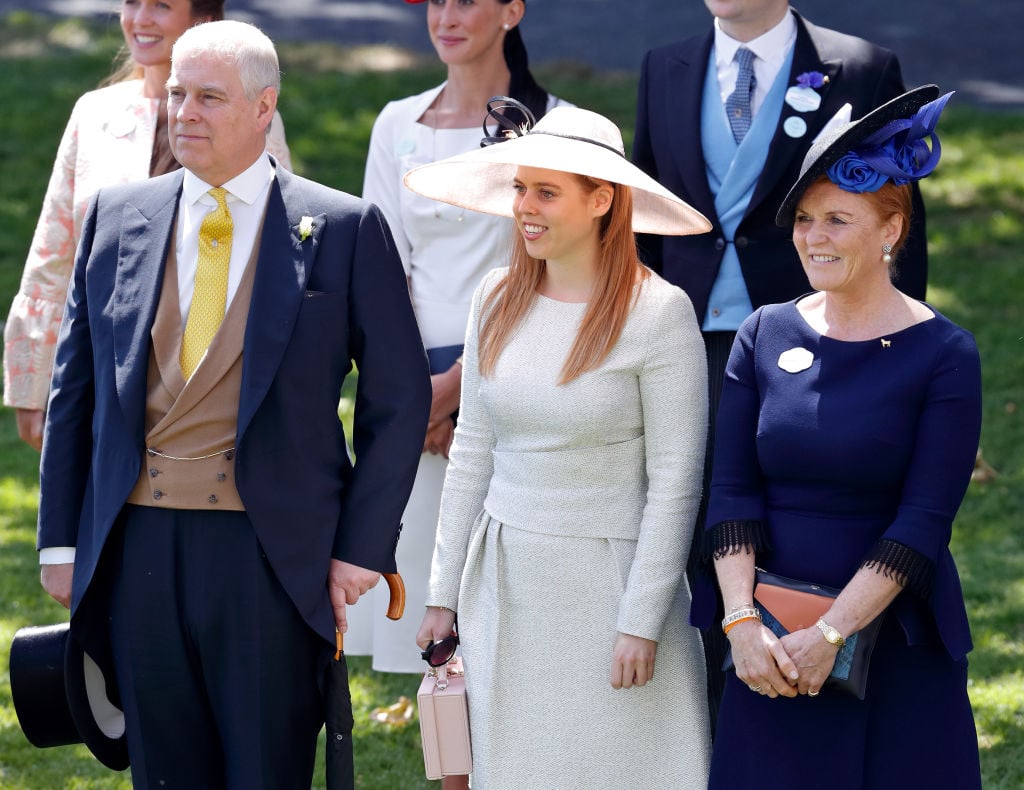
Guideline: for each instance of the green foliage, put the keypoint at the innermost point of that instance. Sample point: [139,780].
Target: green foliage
[45,69]
[975,232]
[329,103]
[329,100]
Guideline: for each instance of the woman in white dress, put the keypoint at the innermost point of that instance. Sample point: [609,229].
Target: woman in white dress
[446,252]
[116,133]
[575,474]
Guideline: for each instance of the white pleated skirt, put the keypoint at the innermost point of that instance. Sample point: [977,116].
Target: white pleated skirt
[537,618]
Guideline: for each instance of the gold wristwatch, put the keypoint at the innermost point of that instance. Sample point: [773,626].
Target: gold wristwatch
[832,636]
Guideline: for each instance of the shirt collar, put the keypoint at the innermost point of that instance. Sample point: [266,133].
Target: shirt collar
[247,186]
[772,46]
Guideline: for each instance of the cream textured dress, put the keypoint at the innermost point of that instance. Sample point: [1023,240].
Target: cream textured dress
[566,517]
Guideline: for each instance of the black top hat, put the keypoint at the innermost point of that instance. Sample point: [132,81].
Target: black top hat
[833,146]
[60,695]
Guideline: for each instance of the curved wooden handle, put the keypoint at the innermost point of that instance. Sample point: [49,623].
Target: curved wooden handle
[396,606]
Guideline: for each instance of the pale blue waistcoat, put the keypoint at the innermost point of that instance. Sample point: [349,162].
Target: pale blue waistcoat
[733,172]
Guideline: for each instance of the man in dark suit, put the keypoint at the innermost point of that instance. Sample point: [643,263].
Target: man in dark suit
[798,79]
[199,511]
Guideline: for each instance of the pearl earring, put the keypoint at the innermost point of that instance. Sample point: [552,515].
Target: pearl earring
[887,250]
[505,26]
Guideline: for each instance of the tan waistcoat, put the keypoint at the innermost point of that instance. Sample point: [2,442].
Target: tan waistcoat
[191,426]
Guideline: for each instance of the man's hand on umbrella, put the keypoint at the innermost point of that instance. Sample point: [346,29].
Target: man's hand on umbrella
[345,584]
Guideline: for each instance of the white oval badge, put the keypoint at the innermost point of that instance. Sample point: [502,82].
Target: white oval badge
[803,99]
[795,126]
[795,360]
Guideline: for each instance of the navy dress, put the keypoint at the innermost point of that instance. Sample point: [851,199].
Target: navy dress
[832,455]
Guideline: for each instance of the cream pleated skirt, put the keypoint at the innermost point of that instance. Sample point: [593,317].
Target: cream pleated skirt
[537,618]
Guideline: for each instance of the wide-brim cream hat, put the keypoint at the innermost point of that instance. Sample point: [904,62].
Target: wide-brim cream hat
[568,139]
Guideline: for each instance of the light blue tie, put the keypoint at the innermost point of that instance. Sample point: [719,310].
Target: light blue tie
[737,106]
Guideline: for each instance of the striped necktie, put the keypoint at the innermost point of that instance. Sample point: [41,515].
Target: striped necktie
[209,297]
[737,106]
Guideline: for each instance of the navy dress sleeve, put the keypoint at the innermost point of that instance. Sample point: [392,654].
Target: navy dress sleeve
[736,511]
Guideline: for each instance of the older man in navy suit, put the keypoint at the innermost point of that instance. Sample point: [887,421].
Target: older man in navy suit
[724,120]
[199,511]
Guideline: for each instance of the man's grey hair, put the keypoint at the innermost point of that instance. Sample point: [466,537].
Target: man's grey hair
[243,45]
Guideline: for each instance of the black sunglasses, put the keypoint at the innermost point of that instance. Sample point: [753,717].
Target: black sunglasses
[440,653]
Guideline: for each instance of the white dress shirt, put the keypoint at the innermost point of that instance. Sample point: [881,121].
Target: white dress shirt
[770,49]
[246,199]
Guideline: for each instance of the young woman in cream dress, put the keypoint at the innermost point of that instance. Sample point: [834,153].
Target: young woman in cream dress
[575,474]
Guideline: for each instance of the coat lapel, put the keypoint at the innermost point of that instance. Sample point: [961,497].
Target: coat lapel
[784,148]
[146,228]
[282,270]
[686,80]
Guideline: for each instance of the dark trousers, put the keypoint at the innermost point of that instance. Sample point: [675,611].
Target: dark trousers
[718,345]
[217,672]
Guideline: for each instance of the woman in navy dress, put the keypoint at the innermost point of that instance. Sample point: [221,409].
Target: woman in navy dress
[847,432]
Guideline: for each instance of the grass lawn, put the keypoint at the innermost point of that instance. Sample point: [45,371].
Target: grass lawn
[330,98]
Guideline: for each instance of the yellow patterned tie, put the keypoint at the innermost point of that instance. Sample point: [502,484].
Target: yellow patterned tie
[210,295]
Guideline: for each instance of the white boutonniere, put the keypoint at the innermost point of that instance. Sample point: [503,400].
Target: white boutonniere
[305,228]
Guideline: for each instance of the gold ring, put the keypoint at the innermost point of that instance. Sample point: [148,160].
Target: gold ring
[813,693]
[755,689]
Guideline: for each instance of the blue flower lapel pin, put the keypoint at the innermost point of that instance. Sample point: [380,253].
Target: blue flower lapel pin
[811,79]
[804,97]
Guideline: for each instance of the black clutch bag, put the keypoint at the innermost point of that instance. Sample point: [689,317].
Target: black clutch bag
[789,605]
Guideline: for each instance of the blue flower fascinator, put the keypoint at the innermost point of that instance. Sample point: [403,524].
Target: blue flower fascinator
[890,143]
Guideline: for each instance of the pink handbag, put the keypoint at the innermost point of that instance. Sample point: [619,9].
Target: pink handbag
[444,721]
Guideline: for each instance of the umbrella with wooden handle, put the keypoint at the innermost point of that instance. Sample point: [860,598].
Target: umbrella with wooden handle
[339,720]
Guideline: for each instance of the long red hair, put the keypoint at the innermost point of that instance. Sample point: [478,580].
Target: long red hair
[610,301]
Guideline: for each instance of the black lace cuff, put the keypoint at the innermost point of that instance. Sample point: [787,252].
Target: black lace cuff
[908,568]
[732,537]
